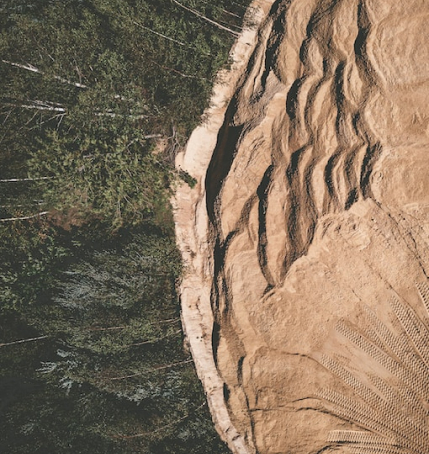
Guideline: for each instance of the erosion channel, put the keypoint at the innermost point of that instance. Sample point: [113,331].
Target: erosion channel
[305,239]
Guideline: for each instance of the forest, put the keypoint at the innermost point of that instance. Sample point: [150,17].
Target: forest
[97,97]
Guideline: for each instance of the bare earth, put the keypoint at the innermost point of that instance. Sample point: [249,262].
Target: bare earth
[306,238]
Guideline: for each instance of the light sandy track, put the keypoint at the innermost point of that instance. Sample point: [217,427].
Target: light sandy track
[312,199]
[192,232]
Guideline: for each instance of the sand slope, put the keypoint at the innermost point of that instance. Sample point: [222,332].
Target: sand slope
[306,238]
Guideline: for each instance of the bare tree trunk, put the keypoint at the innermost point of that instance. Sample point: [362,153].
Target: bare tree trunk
[154,341]
[188,76]
[13,180]
[159,429]
[169,38]
[55,107]
[22,218]
[39,107]
[161,35]
[168,366]
[29,67]
[216,24]
[22,341]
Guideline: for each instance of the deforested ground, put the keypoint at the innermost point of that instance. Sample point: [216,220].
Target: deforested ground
[306,236]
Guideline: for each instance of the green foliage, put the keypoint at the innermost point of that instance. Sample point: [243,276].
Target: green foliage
[113,375]
[30,256]
[115,178]
[86,82]
[88,87]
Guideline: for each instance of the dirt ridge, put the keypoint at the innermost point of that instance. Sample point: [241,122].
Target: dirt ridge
[191,220]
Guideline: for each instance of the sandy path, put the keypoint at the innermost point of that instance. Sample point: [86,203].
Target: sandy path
[310,214]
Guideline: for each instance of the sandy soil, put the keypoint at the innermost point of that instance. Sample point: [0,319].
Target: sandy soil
[306,238]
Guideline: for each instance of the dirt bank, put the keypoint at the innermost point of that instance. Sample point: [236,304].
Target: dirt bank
[306,237]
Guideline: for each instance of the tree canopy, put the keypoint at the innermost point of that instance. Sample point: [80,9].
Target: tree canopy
[88,88]
[96,98]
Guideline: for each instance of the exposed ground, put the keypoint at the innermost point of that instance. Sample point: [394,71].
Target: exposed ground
[306,236]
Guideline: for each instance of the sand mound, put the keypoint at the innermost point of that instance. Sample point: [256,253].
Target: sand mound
[307,234]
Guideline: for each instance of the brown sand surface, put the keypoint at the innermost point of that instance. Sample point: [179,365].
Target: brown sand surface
[305,298]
